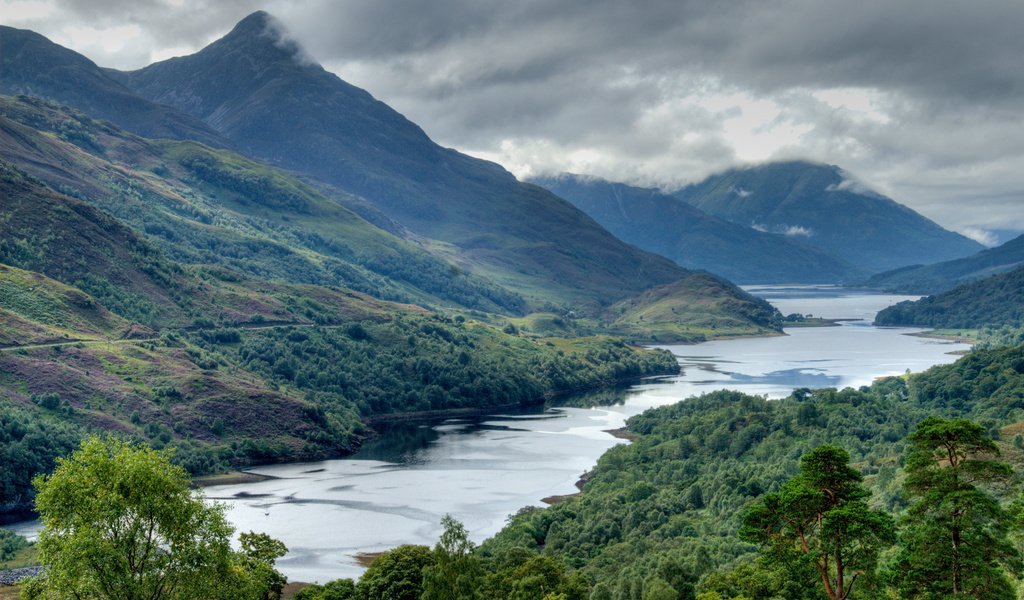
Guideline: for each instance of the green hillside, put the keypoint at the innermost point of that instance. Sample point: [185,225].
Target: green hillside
[206,206]
[994,301]
[35,309]
[939,277]
[104,331]
[692,310]
[820,205]
[666,225]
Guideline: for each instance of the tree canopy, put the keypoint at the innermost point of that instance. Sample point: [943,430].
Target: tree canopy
[121,522]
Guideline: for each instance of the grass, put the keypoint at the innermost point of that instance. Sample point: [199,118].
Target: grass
[26,557]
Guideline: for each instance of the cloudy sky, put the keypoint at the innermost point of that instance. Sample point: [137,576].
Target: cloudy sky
[921,99]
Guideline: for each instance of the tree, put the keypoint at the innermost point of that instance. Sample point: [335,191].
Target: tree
[396,575]
[259,552]
[819,523]
[456,572]
[955,541]
[121,522]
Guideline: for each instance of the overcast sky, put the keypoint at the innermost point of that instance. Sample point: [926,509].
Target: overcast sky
[921,99]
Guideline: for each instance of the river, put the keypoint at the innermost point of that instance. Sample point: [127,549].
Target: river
[480,470]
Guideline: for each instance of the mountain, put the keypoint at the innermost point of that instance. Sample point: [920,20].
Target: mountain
[939,277]
[212,207]
[664,224]
[265,95]
[32,65]
[821,205]
[994,301]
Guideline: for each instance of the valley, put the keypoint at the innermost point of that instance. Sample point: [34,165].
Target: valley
[264,337]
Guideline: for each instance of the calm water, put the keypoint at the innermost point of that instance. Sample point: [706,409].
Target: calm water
[481,470]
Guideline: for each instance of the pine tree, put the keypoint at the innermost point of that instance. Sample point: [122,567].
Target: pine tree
[955,536]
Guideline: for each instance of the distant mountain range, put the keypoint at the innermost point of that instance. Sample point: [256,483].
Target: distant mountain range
[823,206]
[664,224]
[994,301]
[939,277]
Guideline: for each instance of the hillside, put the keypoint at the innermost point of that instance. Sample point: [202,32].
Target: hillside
[994,301]
[272,102]
[205,206]
[820,205]
[669,314]
[665,225]
[939,277]
[33,65]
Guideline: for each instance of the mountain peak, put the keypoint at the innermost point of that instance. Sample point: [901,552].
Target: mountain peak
[254,25]
[264,35]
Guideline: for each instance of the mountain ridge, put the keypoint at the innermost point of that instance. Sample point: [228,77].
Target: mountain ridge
[939,277]
[33,65]
[664,224]
[826,208]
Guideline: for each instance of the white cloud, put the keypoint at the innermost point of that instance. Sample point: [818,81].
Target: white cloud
[983,237]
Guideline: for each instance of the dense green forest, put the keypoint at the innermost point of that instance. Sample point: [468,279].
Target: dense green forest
[995,301]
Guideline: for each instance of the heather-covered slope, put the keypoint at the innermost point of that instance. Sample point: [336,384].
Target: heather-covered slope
[207,206]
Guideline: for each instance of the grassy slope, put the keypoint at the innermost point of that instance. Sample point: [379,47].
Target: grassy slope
[35,309]
[296,114]
[693,309]
[188,381]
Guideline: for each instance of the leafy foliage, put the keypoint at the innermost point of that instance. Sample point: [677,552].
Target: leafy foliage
[425,363]
[119,521]
[819,521]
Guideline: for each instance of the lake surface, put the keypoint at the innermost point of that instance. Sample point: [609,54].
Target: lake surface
[397,488]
